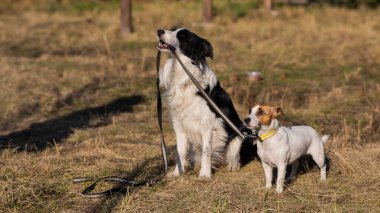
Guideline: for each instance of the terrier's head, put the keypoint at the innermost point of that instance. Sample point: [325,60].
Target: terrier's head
[261,115]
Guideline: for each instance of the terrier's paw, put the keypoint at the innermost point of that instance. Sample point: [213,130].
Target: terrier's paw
[279,190]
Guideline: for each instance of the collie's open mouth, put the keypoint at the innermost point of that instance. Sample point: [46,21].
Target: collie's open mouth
[163,45]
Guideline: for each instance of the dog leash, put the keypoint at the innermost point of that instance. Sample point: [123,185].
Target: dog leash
[126,185]
[244,135]
[159,113]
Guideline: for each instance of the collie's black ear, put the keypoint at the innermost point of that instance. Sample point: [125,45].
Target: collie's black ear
[207,50]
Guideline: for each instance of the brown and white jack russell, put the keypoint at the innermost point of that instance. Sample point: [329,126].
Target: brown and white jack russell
[281,146]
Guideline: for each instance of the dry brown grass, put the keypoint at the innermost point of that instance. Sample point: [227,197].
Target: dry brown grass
[79,100]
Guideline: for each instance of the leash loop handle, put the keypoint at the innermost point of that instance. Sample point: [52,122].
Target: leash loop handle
[125,186]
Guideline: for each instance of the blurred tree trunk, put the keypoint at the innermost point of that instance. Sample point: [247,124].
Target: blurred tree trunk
[268,5]
[126,17]
[207,10]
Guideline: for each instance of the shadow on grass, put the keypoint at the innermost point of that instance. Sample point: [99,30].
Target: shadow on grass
[248,153]
[32,108]
[149,169]
[43,134]
[307,164]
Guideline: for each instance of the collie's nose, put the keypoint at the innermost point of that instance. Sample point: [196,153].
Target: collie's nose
[247,120]
[160,32]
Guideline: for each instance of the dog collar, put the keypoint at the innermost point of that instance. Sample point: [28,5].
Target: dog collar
[269,134]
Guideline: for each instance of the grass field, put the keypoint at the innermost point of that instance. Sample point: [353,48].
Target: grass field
[79,100]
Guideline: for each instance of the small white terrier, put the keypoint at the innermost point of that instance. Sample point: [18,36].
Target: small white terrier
[281,146]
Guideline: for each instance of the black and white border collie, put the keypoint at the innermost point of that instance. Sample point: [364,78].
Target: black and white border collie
[198,129]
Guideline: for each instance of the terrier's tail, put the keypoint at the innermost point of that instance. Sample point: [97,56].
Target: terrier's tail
[325,138]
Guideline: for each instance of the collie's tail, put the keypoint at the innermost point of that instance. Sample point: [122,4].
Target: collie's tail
[325,138]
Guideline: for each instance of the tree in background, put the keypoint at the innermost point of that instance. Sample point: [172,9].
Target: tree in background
[268,5]
[126,17]
[207,10]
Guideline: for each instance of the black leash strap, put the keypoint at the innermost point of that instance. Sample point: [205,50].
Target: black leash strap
[125,186]
[159,113]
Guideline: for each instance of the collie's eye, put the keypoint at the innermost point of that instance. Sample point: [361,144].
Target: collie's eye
[180,35]
[261,112]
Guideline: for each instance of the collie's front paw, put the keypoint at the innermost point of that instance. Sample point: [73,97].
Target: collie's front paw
[172,174]
[205,175]
[233,166]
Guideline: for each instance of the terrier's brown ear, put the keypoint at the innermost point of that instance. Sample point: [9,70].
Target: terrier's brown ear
[277,112]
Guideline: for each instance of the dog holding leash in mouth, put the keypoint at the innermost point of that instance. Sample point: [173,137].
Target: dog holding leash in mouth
[199,131]
[280,146]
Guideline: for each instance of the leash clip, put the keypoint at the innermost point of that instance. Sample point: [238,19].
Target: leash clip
[256,136]
[250,134]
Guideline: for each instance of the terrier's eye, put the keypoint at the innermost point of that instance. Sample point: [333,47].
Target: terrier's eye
[261,112]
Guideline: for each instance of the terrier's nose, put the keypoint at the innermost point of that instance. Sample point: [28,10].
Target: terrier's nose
[247,120]
[160,32]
